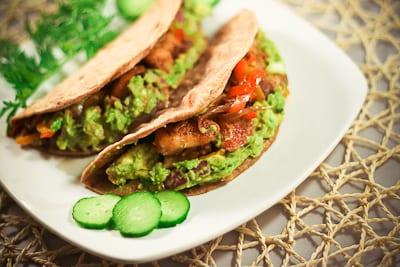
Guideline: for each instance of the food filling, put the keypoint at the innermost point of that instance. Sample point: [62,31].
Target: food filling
[210,146]
[105,117]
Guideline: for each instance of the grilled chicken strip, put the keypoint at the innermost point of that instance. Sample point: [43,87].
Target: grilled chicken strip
[177,137]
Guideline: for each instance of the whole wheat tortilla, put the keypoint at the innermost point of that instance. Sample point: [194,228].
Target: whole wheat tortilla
[110,62]
[203,84]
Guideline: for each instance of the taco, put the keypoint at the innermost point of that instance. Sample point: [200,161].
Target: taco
[120,87]
[212,131]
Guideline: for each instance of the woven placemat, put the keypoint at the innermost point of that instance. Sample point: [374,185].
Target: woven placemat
[353,220]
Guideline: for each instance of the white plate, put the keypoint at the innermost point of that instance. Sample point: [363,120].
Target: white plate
[327,92]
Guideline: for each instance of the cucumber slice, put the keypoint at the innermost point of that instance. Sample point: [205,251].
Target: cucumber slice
[95,212]
[132,9]
[175,207]
[137,214]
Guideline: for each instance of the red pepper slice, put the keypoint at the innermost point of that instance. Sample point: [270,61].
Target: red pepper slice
[240,70]
[239,103]
[45,131]
[242,89]
[248,78]
[250,115]
[255,76]
[25,140]
[252,95]
[47,135]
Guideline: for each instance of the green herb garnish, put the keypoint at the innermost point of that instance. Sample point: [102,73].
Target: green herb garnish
[78,26]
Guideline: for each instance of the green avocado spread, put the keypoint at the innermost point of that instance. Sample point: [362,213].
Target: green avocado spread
[88,127]
[143,165]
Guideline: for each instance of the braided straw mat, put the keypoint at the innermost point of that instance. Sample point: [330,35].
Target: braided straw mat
[351,220]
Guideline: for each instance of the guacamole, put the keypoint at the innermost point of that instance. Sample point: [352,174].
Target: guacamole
[153,176]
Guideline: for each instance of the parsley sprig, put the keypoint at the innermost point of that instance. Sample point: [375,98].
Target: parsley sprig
[78,26]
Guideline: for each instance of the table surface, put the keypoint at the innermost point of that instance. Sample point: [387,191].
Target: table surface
[346,213]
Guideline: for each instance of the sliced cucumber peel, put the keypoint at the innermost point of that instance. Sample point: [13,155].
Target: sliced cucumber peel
[175,207]
[137,214]
[95,212]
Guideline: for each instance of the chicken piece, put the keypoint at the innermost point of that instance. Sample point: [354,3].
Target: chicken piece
[160,58]
[177,137]
[162,55]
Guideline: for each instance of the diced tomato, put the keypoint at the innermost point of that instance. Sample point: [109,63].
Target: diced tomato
[180,35]
[25,140]
[44,130]
[240,70]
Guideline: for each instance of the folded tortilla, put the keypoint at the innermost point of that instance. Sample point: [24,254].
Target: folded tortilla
[145,155]
[118,65]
